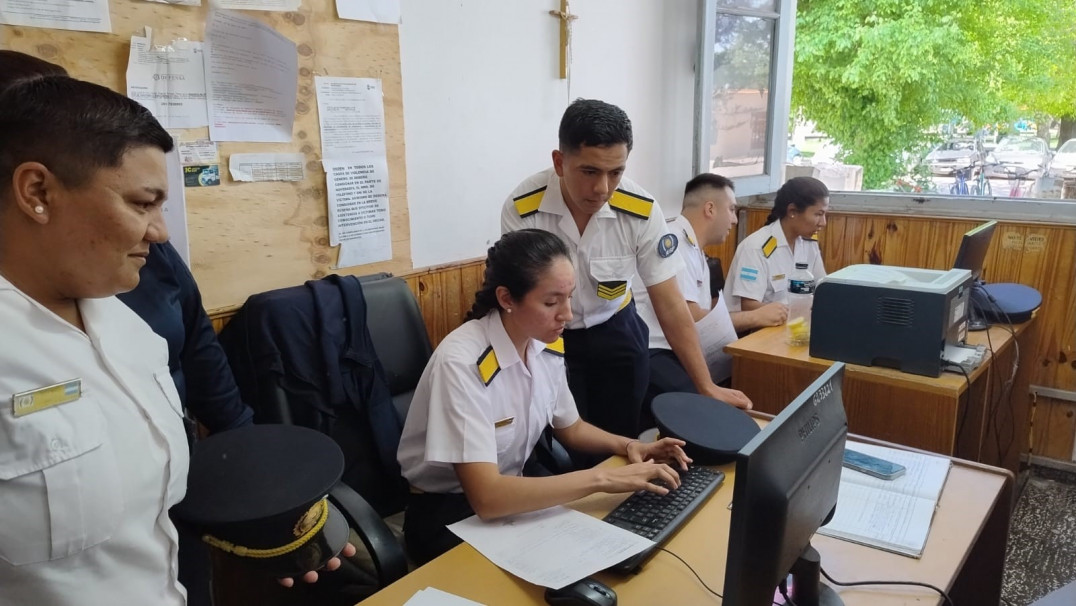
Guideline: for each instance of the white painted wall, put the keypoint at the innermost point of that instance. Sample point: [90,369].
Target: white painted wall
[482,102]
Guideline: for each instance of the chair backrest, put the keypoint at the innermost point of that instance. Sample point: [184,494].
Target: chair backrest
[398,333]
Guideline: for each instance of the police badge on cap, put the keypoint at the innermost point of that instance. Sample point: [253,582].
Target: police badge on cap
[667,245]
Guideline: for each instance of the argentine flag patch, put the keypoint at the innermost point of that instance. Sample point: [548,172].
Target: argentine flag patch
[748,274]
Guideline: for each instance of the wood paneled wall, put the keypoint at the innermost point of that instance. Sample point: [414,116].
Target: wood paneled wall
[1040,256]
[444,295]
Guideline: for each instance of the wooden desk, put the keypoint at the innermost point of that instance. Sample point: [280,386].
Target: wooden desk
[965,553]
[988,423]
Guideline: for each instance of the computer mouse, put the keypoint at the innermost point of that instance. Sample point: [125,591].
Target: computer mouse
[584,592]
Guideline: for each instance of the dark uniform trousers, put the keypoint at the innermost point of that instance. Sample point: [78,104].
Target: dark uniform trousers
[608,370]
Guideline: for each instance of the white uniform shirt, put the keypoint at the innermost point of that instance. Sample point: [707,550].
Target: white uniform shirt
[463,414]
[85,486]
[626,236]
[764,278]
[694,282]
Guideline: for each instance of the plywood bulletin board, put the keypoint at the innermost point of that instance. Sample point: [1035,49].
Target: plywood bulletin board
[246,238]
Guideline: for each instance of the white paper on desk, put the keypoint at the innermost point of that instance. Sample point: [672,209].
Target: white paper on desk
[251,74]
[552,547]
[169,81]
[359,210]
[431,596]
[174,208]
[77,15]
[259,5]
[267,167]
[715,332]
[351,112]
[378,11]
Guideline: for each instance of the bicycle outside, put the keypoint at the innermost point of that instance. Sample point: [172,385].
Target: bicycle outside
[1016,176]
[969,183]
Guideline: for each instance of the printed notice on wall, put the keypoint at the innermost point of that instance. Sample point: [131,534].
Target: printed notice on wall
[260,5]
[77,15]
[267,167]
[168,80]
[251,73]
[378,11]
[351,112]
[359,210]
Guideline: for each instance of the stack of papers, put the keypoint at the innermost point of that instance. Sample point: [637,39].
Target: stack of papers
[894,515]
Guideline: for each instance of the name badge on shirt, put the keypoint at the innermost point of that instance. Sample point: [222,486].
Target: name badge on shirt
[778,277]
[504,422]
[27,402]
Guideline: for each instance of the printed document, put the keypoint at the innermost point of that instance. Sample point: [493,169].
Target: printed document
[378,11]
[553,547]
[251,73]
[260,5]
[267,167]
[78,15]
[351,112]
[894,515]
[715,332]
[359,210]
[169,81]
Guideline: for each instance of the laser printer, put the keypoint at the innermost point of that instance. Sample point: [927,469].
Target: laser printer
[900,317]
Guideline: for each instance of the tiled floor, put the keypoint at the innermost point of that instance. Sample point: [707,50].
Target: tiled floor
[1042,537]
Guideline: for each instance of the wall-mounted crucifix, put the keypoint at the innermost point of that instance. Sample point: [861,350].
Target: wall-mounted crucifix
[566,18]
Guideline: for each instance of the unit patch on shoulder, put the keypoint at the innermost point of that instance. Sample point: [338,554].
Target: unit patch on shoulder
[769,246]
[488,366]
[528,203]
[667,245]
[556,347]
[631,204]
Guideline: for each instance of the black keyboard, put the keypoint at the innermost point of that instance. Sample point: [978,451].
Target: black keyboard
[657,517]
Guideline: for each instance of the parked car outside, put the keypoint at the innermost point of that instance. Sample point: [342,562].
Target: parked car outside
[955,154]
[1023,154]
[1064,160]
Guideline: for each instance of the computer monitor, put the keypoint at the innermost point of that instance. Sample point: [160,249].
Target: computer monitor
[786,485]
[971,255]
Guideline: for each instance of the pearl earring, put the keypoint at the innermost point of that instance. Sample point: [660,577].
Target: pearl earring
[39,209]
[509,310]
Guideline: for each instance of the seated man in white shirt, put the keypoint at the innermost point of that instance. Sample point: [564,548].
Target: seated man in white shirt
[708,214]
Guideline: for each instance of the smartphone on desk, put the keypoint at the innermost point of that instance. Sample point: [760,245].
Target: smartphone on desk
[872,466]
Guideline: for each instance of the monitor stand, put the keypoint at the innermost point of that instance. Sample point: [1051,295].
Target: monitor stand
[807,588]
[978,298]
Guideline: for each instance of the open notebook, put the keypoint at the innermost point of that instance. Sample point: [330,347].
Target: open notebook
[894,515]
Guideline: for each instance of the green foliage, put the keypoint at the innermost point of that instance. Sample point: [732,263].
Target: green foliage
[876,75]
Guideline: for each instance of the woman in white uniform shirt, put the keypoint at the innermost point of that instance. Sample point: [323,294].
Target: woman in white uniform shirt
[764,260]
[490,389]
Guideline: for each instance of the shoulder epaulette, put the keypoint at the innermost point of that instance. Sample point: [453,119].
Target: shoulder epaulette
[528,203]
[769,246]
[488,366]
[631,204]
[688,238]
[556,347]
[814,237]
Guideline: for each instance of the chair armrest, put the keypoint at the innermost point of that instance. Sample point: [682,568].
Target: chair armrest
[385,551]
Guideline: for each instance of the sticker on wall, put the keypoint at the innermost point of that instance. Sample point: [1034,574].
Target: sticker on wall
[1013,240]
[203,175]
[1035,243]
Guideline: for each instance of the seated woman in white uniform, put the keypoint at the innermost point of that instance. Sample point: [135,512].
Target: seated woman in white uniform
[490,389]
[764,260]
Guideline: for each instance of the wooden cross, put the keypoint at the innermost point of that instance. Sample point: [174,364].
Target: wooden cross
[566,17]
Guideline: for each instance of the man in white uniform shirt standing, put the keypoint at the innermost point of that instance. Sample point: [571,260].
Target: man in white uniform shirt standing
[708,214]
[613,229]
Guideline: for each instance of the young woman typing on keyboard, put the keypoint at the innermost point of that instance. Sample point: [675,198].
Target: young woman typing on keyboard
[490,389]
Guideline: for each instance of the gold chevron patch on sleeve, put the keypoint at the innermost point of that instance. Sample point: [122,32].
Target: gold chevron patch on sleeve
[556,347]
[612,290]
[769,246]
[488,366]
[631,204]
[528,203]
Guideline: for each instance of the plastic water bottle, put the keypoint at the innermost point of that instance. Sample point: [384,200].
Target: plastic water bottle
[800,299]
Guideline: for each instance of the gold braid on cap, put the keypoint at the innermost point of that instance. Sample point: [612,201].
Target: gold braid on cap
[321,509]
